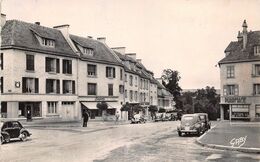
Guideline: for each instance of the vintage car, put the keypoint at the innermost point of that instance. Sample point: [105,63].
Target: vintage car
[191,124]
[138,118]
[13,130]
[204,118]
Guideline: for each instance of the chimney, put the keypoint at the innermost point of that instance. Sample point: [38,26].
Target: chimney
[132,55]
[139,60]
[244,33]
[239,36]
[102,39]
[3,19]
[90,37]
[119,49]
[37,23]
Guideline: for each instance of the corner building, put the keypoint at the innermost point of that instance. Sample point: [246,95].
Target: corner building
[240,77]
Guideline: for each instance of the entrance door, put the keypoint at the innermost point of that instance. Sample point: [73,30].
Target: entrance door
[28,113]
[226,112]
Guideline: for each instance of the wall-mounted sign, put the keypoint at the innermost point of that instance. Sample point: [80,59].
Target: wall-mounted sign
[235,99]
[100,98]
[17,84]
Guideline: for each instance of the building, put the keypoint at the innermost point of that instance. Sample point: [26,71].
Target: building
[239,76]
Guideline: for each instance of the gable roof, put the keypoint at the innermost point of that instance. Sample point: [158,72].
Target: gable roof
[238,54]
[101,51]
[19,34]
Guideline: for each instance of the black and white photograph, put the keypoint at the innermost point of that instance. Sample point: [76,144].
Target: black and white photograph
[130,81]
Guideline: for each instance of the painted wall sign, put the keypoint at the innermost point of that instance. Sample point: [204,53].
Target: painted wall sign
[99,98]
[235,99]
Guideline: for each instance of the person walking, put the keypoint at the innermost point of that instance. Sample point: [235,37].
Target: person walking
[85,118]
[117,117]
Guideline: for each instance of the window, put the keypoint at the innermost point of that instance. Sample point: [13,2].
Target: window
[256,89]
[52,86]
[92,70]
[125,77]
[230,90]
[121,89]
[30,62]
[68,87]
[125,93]
[257,111]
[48,42]
[2,85]
[239,111]
[2,61]
[135,96]
[110,72]
[30,85]
[121,74]
[256,70]
[136,81]
[92,89]
[131,80]
[88,51]
[67,66]
[230,72]
[131,95]
[151,100]
[52,65]
[257,50]
[110,89]
[52,107]
[67,102]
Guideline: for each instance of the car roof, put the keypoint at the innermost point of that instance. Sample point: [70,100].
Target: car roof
[4,121]
[190,115]
[202,113]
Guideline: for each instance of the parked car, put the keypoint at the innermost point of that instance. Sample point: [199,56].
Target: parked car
[191,124]
[13,130]
[138,118]
[204,118]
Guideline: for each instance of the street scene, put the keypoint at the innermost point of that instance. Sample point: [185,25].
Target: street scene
[133,80]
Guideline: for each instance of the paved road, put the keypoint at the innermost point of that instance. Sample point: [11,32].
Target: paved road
[138,142]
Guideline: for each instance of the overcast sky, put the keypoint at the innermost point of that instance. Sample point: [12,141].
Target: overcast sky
[188,36]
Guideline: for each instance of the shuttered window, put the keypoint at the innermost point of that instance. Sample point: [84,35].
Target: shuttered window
[67,66]
[231,90]
[110,72]
[2,84]
[92,70]
[110,89]
[30,85]
[52,86]
[2,61]
[52,65]
[92,89]
[68,87]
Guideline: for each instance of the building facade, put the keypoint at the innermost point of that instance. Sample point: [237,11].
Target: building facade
[48,73]
[239,76]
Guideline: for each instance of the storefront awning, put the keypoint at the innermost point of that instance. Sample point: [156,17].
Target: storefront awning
[90,105]
[113,105]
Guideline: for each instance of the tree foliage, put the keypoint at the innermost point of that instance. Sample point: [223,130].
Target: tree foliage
[170,79]
[102,105]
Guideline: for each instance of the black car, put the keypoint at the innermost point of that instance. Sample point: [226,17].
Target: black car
[13,130]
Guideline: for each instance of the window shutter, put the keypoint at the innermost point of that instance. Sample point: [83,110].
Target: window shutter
[73,87]
[2,85]
[47,86]
[2,61]
[114,72]
[36,85]
[225,90]
[254,89]
[253,70]
[47,65]
[63,86]
[58,86]
[70,67]
[63,66]
[107,72]
[58,66]
[24,84]
[236,90]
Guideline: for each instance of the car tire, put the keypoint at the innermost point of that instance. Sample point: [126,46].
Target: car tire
[23,136]
[179,133]
[6,139]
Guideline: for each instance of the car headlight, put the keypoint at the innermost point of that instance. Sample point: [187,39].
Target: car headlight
[197,125]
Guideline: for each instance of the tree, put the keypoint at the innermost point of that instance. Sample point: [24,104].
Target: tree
[170,79]
[103,107]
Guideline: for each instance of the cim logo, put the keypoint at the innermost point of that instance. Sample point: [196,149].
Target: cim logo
[238,142]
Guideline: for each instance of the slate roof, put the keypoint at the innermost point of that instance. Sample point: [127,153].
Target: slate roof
[238,54]
[101,51]
[19,34]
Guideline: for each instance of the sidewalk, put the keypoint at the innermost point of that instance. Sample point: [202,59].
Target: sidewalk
[237,136]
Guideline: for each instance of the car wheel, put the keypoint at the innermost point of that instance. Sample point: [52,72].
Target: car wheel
[23,136]
[179,133]
[6,139]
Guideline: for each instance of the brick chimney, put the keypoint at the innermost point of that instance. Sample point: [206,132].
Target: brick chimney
[119,49]
[102,39]
[239,36]
[139,60]
[132,55]
[244,34]
[3,19]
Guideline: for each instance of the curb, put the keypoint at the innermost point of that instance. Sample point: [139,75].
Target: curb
[223,147]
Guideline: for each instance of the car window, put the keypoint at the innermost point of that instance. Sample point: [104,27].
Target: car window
[9,124]
[16,125]
[187,118]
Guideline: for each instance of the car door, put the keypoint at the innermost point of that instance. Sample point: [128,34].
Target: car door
[16,129]
[7,127]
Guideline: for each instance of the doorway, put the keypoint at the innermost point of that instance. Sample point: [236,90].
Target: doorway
[226,112]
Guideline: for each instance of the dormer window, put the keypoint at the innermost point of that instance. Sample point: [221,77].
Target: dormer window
[48,42]
[88,51]
[257,50]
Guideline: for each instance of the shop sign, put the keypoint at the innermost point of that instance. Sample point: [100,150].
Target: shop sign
[100,98]
[235,99]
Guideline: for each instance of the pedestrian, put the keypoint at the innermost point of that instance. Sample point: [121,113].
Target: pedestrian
[85,118]
[117,116]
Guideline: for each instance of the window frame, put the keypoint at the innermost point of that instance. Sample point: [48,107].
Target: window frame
[52,107]
[110,90]
[30,66]
[89,72]
[66,66]
[89,92]
[230,71]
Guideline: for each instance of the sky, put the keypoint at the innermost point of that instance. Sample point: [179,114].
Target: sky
[189,36]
